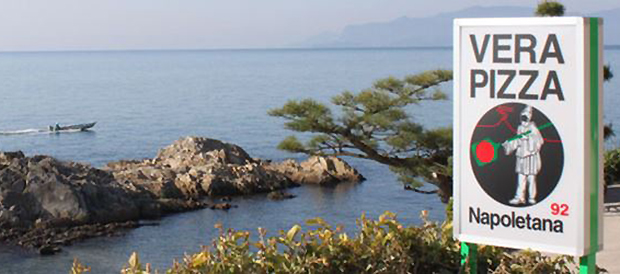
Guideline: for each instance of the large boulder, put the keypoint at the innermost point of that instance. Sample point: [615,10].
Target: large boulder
[318,170]
[43,189]
[201,151]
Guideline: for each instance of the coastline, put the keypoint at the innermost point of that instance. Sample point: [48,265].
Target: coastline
[47,203]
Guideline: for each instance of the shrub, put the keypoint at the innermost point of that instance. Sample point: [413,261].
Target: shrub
[550,8]
[612,166]
[380,246]
[78,268]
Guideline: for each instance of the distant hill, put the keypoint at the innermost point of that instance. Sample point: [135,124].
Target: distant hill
[435,30]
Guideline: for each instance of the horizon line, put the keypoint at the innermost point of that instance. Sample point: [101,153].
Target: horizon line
[246,49]
[222,49]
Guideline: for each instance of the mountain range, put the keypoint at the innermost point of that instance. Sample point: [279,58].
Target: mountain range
[436,31]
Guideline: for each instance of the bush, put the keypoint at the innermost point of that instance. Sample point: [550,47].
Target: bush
[612,166]
[381,246]
[550,8]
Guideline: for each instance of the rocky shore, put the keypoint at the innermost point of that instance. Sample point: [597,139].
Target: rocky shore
[46,203]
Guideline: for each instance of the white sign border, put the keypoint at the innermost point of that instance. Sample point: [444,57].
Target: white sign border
[583,29]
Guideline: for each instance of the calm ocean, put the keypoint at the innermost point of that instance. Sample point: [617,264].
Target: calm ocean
[144,100]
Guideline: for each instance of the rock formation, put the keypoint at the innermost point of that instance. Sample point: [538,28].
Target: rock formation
[41,189]
[40,193]
[45,202]
[318,170]
[196,167]
[280,195]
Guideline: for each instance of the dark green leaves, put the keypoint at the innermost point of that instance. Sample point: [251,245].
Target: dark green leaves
[305,116]
[550,8]
[291,144]
[607,73]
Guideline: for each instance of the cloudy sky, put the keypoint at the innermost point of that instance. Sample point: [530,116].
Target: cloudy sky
[38,25]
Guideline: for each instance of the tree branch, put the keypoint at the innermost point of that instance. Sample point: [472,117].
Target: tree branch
[417,190]
[372,153]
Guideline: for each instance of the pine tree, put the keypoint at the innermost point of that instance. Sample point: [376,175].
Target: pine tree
[375,124]
[550,8]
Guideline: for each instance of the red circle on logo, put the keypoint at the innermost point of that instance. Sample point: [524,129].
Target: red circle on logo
[485,152]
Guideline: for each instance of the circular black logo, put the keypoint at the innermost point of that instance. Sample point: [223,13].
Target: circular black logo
[516,154]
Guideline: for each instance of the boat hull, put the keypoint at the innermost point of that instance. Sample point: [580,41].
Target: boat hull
[80,127]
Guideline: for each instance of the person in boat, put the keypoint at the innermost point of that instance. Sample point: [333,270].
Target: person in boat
[57,127]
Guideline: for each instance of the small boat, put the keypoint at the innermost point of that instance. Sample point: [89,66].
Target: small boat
[78,127]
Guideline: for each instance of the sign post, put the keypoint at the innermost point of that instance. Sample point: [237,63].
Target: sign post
[469,256]
[528,135]
[587,263]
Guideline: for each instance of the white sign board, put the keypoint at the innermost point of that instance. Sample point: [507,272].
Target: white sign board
[528,133]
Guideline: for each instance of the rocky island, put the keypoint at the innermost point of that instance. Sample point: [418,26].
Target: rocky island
[46,203]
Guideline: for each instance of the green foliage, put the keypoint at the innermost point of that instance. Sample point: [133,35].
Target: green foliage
[311,115]
[607,76]
[78,268]
[375,124]
[379,246]
[550,8]
[527,261]
[135,267]
[291,144]
[612,166]
[608,131]
[382,246]
[607,73]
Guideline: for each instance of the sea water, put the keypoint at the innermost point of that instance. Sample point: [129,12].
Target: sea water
[145,100]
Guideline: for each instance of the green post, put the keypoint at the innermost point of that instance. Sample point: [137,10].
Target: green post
[587,263]
[470,251]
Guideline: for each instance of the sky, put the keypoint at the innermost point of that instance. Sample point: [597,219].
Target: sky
[42,25]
